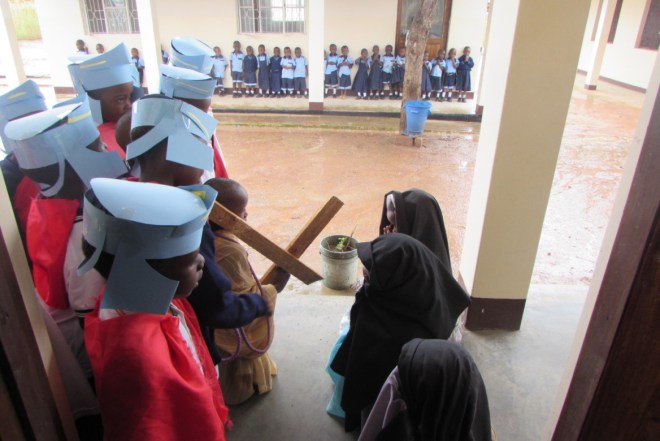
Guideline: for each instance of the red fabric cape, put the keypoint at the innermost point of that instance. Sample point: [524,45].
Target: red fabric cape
[49,225]
[25,192]
[148,383]
[218,164]
[107,131]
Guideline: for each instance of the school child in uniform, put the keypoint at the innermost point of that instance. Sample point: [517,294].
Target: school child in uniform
[361,83]
[236,61]
[331,69]
[250,66]
[219,66]
[264,71]
[375,74]
[81,48]
[345,63]
[398,72]
[300,74]
[190,53]
[61,151]
[195,89]
[247,368]
[139,63]
[177,156]
[275,63]
[427,88]
[100,49]
[438,67]
[388,64]
[154,378]
[165,55]
[449,83]
[465,65]
[110,82]
[288,66]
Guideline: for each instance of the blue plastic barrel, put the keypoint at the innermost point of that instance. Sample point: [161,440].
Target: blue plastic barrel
[416,113]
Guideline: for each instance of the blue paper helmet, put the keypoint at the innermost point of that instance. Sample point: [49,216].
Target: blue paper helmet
[186,128]
[100,71]
[135,222]
[177,82]
[23,100]
[60,135]
[191,53]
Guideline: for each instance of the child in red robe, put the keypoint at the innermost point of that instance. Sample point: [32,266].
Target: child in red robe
[154,378]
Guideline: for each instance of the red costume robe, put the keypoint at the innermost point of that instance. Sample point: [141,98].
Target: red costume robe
[148,383]
[219,166]
[26,191]
[107,131]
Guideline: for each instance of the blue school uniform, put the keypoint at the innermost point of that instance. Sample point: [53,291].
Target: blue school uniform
[388,64]
[264,72]
[360,85]
[139,65]
[219,66]
[237,66]
[345,72]
[331,77]
[449,81]
[375,73]
[427,87]
[437,69]
[463,81]
[288,66]
[398,70]
[275,74]
[250,66]
[299,75]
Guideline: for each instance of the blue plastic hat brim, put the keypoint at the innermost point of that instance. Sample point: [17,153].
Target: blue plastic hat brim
[176,82]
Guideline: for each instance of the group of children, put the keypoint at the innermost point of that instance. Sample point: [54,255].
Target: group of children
[278,76]
[146,299]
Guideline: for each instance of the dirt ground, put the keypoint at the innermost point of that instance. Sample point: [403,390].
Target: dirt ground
[292,164]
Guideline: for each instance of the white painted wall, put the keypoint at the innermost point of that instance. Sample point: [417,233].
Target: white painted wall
[466,28]
[623,61]
[61,23]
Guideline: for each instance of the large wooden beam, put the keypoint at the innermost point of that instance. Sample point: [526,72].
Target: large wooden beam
[237,226]
[308,234]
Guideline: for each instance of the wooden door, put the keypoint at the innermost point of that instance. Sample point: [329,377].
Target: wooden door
[439,27]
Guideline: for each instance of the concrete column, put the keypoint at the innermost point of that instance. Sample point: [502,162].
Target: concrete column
[11,56]
[600,43]
[315,32]
[520,137]
[478,99]
[150,36]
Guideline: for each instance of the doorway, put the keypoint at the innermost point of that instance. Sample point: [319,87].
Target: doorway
[439,27]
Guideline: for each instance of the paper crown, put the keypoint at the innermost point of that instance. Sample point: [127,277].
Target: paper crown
[186,128]
[23,100]
[108,69]
[62,134]
[177,82]
[135,222]
[191,53]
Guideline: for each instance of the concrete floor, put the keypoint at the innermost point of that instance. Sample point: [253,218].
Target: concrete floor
[292,164]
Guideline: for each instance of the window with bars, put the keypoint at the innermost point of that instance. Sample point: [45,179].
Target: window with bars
[112,16]
[271,16]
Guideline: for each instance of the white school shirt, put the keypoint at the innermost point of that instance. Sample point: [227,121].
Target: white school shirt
[438,66]
[237,61]
[345,70]
[450,66]
[288,73]
[82,290]
[137,61]
[401,61]
[301,64]
[331,63]
[388,62]
[219,66]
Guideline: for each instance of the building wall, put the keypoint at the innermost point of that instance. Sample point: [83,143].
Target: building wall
[623,61]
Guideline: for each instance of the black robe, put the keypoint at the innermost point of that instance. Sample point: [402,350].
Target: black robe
[444,393]
[418,215]
[409,294]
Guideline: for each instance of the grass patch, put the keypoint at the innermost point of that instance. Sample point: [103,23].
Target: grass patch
[25,20]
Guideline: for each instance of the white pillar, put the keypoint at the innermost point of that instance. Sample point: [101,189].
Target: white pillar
[520,137]
[150,36]
[315,32]
[479,95]
[604,26]
[11,56]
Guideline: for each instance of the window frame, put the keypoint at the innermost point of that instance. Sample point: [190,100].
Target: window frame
[256,18]
[89,15]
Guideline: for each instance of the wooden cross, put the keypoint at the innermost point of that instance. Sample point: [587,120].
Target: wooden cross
[286,259]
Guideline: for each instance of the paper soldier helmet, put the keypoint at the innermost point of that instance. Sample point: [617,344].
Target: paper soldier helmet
[177,82]
[23,100]
[135,222]
[191,53]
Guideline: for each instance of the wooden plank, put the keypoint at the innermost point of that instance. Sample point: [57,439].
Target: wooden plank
[237,226]
[308,234]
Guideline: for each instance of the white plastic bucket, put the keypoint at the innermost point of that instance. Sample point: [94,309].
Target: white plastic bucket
[339,268]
